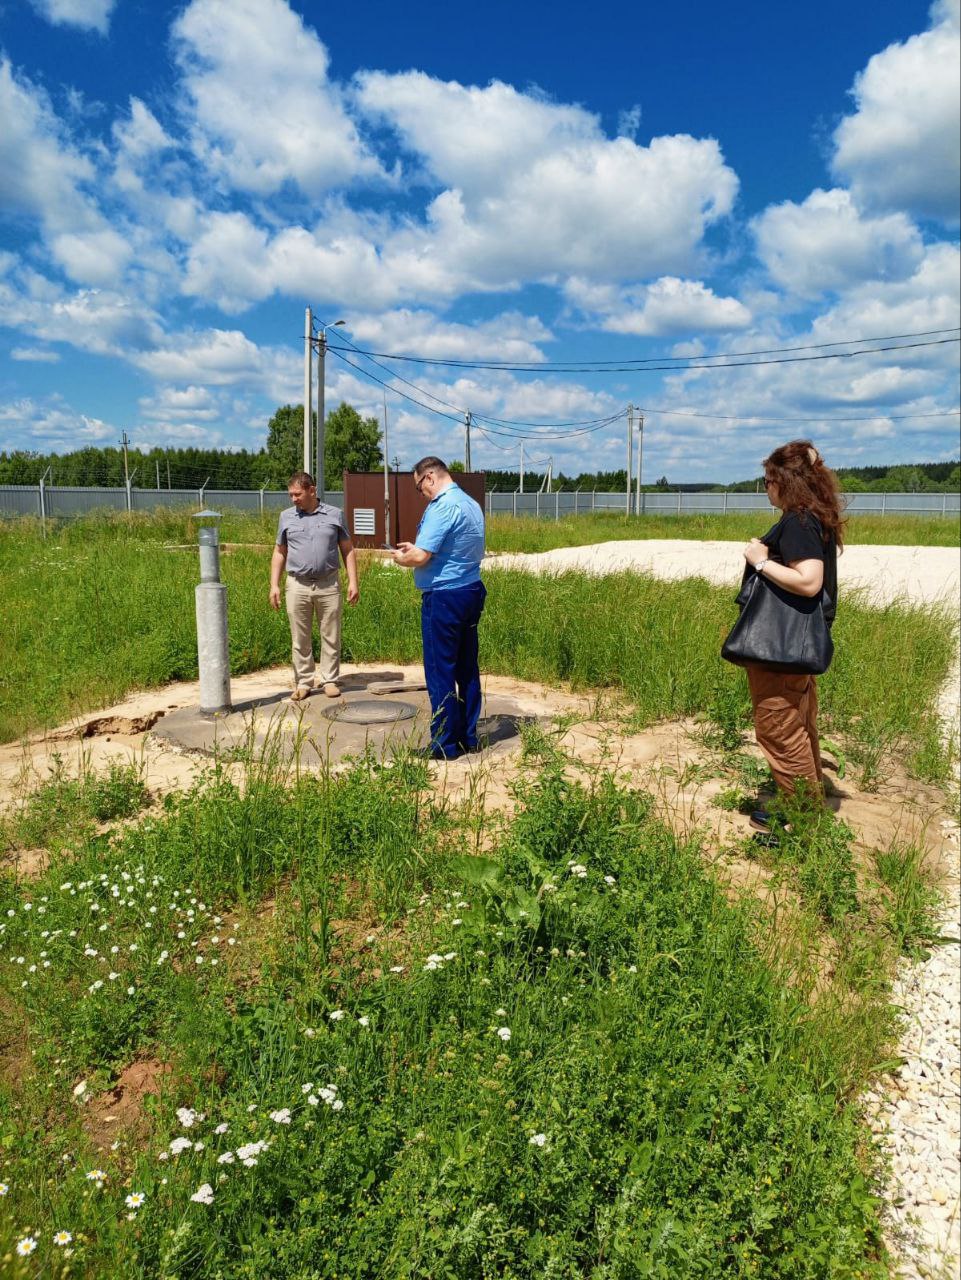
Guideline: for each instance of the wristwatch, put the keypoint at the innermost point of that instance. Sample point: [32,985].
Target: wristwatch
[760,564]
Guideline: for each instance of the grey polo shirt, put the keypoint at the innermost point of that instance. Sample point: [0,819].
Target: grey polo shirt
[312,539]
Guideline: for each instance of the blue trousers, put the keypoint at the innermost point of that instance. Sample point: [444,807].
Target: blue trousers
[448,624]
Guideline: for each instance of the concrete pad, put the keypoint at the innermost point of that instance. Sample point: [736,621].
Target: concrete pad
[267,721]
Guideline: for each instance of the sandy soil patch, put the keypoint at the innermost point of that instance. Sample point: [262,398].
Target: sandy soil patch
[918,574]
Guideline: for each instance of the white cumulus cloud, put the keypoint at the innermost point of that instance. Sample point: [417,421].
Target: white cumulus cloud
[534,190]
[263,110]
[90,15]
[666,307]
[827,243]
[901,148]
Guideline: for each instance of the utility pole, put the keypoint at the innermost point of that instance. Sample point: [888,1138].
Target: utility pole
[308,383]
[639,501]
[126,476]
[321,408]
[630,453]
[386,480]
[467,422]
[522,466]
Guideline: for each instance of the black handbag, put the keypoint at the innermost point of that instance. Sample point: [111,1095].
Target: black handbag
[779,630]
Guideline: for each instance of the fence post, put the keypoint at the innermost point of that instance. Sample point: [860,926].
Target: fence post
[725,502]
[593,499]
[576,492]
[514,504]
[43,508]
[944,504]
[261,498]
[884,502]
[678,502]
[557,508]
[537,503]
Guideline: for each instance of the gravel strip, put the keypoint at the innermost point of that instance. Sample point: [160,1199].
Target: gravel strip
[917,1110]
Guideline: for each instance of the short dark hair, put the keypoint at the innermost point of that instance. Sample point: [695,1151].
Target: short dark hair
[302,478]
[430,463]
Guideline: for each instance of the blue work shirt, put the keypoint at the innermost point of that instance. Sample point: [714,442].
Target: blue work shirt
[452,530]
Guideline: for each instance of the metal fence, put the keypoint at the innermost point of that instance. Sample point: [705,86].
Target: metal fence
[58,503]
[51,502]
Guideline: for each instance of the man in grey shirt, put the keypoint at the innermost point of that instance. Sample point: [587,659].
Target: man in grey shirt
[309,536]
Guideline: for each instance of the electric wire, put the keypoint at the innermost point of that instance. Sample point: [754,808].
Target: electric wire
[632,363]
[593,423]
[504,427]
[637,367]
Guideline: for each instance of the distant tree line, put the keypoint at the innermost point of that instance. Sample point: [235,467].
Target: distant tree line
[353,443]
[921,477]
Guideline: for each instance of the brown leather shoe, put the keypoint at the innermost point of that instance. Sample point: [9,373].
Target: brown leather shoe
[302,691]
[331,690]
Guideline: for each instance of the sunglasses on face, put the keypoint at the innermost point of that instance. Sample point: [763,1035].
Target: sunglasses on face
[419,483]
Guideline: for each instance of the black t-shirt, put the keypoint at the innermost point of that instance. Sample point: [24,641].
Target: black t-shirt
[798,536]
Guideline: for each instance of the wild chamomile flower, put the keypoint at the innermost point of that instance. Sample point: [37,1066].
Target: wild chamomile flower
[4,1188]
[26,1246]
[135,1200]
[97,1176]
[61,1238]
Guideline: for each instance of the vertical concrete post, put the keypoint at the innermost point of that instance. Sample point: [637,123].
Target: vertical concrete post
[213,653]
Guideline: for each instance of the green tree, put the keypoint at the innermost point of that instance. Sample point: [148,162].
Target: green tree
[351,443]
[455,467]
[285,444]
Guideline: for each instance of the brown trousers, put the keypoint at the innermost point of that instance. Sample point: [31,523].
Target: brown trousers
[785,722]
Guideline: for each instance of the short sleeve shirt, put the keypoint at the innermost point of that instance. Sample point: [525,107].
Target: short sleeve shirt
[312,539]
[798,536]
[452,530]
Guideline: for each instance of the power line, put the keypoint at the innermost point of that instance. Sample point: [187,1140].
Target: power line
[682,362]
[642,367]
[504,427]
[819,417]
[592,423]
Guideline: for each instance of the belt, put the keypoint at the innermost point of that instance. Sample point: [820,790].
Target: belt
[318,579]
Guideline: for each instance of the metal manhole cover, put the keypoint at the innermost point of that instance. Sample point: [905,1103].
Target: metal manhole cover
[367,711]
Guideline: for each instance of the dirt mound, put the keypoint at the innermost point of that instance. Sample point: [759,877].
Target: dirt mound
[120,1111]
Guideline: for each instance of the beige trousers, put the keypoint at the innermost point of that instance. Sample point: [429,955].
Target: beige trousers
[785,722]
[306,597]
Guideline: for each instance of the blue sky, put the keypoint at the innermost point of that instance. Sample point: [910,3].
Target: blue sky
[524,183]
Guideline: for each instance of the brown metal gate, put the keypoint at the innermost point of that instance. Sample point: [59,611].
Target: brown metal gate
[364,505]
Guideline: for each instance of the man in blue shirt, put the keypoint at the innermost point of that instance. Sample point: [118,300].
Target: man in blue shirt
[446,556]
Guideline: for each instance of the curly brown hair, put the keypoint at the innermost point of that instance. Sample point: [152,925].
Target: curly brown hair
[805,484]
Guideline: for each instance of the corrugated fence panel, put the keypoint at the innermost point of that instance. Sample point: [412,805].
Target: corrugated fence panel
[61,503]
[19,500]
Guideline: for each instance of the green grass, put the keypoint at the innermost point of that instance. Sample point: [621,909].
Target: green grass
[119,614]
[68,807]
[573,1057]
[505,533]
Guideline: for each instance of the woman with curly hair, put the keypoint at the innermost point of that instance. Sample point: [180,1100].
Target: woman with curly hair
[799,554]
